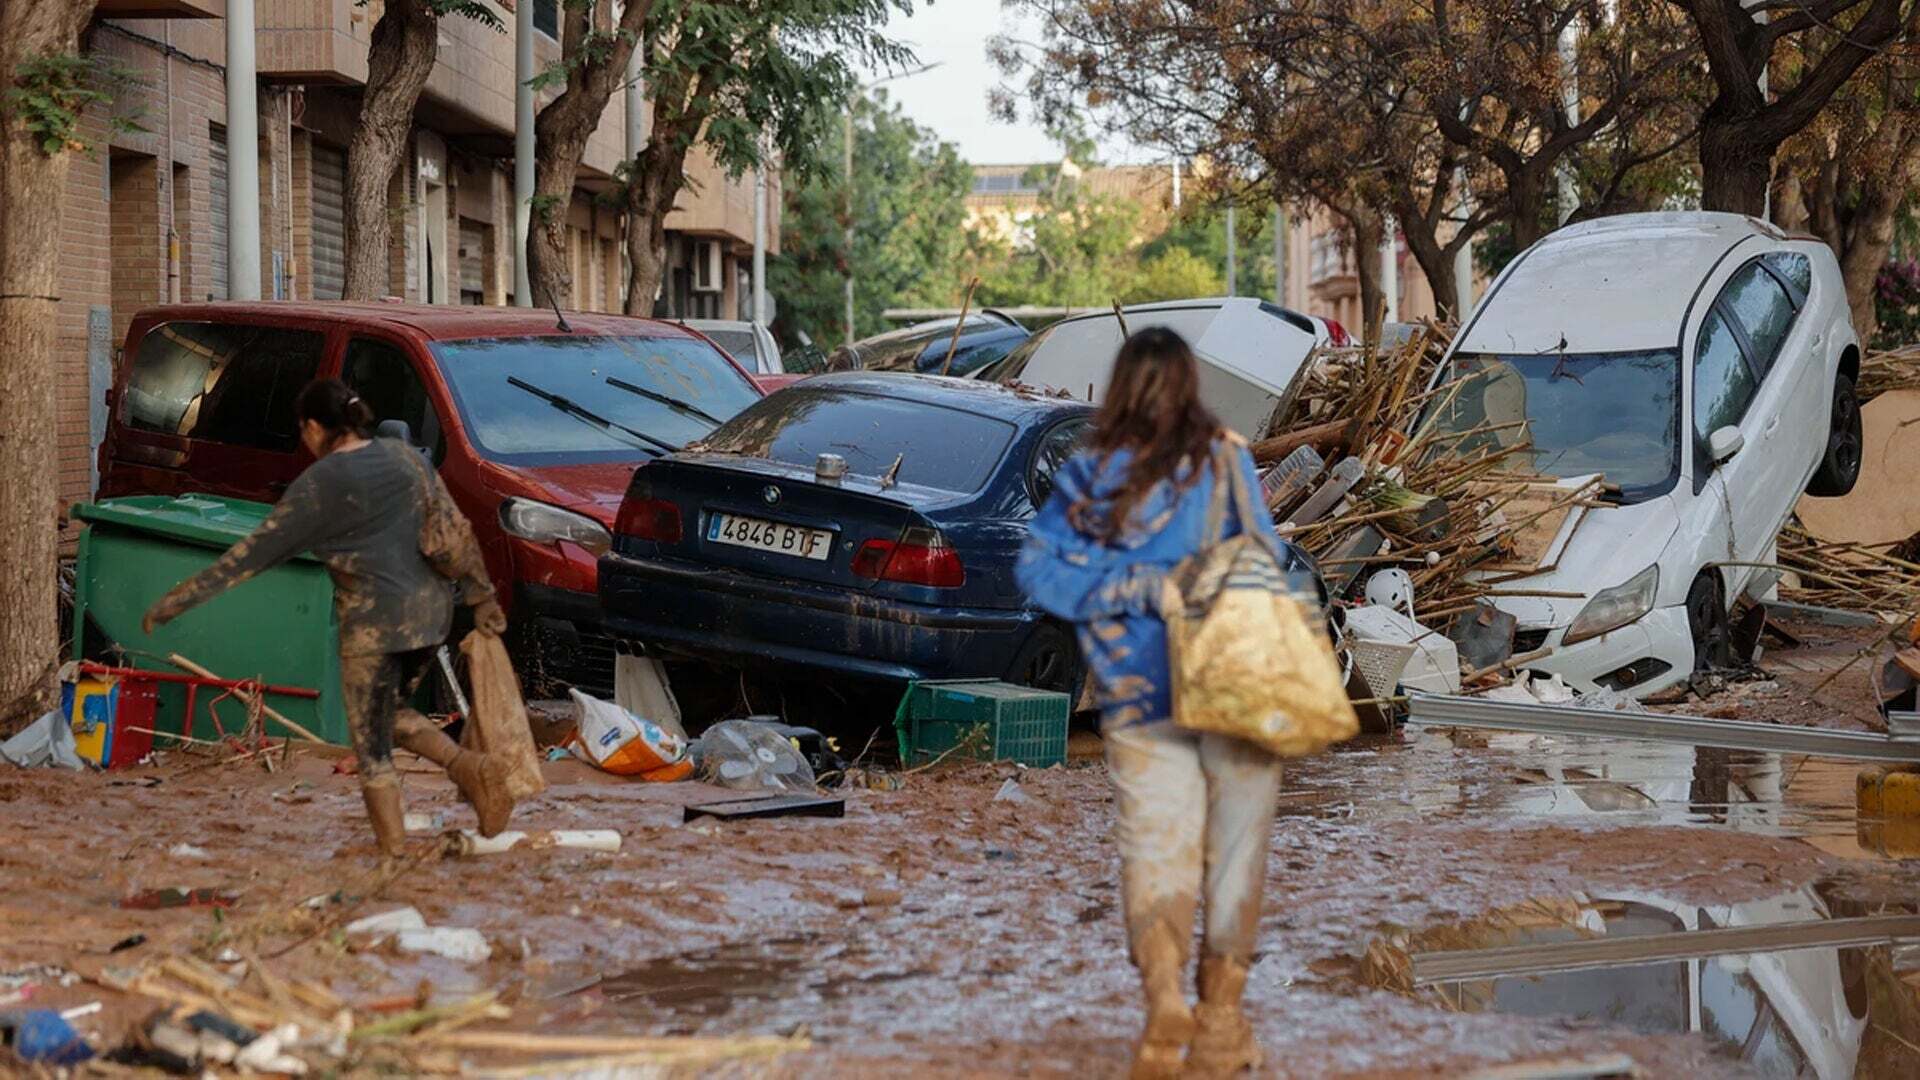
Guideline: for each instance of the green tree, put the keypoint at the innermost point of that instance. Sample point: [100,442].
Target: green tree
[909,240]
[748,81]
[1174,274]
[1072,250]
[1200,228]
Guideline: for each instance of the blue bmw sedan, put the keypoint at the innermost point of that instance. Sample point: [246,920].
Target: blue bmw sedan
[855,525]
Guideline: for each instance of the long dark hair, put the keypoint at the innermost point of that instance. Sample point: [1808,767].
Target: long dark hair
[335,406]
[1153,410]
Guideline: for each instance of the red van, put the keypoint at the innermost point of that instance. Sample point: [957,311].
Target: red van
[536,426]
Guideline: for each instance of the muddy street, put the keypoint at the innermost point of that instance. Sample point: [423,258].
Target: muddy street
[1429,896]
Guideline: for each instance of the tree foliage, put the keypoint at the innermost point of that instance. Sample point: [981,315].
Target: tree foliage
[746,80]
[909,236]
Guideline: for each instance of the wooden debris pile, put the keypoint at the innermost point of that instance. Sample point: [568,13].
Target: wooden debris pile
[1882,578]
[1462,513]
[1892,369]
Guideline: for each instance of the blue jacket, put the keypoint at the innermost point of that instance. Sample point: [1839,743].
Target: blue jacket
[1110,590]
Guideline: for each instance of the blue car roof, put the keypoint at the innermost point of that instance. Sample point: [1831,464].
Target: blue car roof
[1017,404]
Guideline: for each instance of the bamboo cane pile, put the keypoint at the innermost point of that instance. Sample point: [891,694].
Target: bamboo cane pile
[1892,369]
[1881,578]
[1452,518]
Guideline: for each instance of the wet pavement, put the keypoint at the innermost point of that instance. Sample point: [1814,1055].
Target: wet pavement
[937,931]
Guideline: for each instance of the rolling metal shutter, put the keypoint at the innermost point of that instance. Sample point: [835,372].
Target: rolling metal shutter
[472,267]
[217,198]
[329,222]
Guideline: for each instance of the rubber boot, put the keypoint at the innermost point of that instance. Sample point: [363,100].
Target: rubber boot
[481,778]
[1161,954]
[1223,1045]
[382,796]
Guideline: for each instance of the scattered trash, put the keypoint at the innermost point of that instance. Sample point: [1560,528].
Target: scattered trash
[131,942]
[419,821]
[748,756]
[640,686]
[1484,638]
[46,742]
[188,851]
[44,1037]
[176,897]
[468,842]
[388,922]
[768,806]
[1012,792]
[1530,689]
[453,942]
[621,743]
[1394,651]
[207,1038]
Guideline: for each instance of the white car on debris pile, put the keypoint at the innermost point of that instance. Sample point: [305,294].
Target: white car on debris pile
[1703,364]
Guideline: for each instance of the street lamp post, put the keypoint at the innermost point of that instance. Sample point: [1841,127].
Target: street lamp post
[846,176]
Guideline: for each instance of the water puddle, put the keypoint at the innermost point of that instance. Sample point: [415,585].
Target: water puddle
[1802,984]
[1424,773]
[772,985]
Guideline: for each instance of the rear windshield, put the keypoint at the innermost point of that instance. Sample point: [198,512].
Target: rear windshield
[527,400]
[936,446]
[737,342]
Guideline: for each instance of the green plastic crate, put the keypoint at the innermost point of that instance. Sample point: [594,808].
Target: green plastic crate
[1022,724]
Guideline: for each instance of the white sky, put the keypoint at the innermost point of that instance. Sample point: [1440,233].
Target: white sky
[952,99]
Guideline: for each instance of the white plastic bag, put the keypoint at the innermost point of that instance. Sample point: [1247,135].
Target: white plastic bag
[610,737]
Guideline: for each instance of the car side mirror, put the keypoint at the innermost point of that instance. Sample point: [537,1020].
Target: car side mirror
[1724,443]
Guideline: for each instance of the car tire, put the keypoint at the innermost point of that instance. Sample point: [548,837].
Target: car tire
[1840,462]
[1707,622]
[1048,660]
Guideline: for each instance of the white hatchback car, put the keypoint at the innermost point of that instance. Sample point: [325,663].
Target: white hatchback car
[1704,364]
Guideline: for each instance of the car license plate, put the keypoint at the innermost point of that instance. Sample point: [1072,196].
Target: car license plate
[774,536]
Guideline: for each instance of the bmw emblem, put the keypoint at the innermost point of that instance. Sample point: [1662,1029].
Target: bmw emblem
[771,494]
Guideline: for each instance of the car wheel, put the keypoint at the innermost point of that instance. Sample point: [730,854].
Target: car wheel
[1048,660]
[1707,621]
[1840,464]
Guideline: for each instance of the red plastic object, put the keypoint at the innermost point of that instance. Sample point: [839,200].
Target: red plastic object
[156,899]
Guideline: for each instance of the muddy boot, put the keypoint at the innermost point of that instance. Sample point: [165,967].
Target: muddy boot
[382,796]
[1161,954]
[1223,1046]
[481,778]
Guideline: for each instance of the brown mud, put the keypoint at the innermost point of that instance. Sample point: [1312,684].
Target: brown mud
[939,932]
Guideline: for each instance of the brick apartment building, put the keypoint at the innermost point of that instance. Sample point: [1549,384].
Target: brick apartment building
[146,211]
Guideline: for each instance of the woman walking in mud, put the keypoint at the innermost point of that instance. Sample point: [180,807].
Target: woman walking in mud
[376,514]
[1194,810]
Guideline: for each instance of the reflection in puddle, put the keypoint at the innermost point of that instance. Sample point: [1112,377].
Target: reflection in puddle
[1624,782]
[1786,1008]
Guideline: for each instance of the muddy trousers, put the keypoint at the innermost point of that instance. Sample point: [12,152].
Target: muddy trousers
[1194,819]
[375,690]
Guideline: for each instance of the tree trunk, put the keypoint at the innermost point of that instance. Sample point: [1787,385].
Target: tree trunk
[1527,197]
[1434,258]
[399,60]
[1734,171]
[32,193]
[659,172]
[560,136]
[1369,232]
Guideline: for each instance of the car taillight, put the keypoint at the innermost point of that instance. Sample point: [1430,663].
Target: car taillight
[1337,335]
[919,557]
[649,519]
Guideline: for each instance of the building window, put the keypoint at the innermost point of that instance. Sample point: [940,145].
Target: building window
[546,17]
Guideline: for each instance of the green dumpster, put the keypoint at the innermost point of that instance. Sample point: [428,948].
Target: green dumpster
[277,627]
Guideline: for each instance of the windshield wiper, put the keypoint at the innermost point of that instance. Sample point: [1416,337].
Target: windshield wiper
[574,408]
[687,407]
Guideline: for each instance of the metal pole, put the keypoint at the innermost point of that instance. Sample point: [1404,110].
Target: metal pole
[1233,271]
[760,239]
[1570,104]
[1176,183]
[523,74]
[1390,270]
[1279,255]
[243,156]
[846,198]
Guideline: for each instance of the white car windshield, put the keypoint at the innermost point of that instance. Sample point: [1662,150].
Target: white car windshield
[1572,414]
